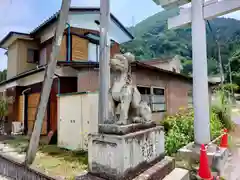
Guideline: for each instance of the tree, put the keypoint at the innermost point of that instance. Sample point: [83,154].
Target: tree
[234,62]
[3,75]
[3,113]
[154,40]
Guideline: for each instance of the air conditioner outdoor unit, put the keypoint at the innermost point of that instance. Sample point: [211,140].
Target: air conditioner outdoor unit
[17,128]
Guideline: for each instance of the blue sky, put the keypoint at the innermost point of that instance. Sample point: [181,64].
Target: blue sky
[25,15]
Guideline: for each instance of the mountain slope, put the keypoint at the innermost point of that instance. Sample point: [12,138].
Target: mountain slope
[153,39]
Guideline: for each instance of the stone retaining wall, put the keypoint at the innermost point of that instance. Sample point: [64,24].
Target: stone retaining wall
[15,170]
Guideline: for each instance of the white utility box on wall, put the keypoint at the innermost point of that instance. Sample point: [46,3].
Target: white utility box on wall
[77,117]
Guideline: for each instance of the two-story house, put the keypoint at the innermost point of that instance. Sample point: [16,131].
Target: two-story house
[28,54]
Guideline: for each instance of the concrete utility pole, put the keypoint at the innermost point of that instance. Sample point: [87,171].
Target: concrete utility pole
[200,75]
[47,83]
[220,62]
[230,75]
[104,68]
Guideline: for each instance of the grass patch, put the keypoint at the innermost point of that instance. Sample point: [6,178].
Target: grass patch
[53,160]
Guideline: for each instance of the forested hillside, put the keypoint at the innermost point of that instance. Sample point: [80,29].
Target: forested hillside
[153,39]
[3,75]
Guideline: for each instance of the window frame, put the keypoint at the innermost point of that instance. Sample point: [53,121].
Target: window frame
[36,56]
[151,97]
[165,99]
[190,103]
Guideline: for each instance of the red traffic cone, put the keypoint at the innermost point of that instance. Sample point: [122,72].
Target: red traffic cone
[224,140]
[204,171]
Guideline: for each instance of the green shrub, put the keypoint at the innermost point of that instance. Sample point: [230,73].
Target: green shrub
[179,129]
[215,126]
[222,108]
[3,109]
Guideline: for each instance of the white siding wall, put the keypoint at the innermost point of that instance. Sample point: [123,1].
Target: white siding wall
[12,61]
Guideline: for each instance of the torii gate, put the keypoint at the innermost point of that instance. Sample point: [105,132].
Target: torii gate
[196,15]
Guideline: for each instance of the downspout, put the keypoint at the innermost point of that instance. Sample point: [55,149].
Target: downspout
[59,86]
[23,114]
[69,42]
[58,83]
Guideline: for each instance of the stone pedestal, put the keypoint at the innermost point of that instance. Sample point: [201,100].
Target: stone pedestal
[117,157]
[217,157]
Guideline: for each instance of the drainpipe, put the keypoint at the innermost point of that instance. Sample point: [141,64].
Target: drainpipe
[69,42]
[58,84]
[23,93]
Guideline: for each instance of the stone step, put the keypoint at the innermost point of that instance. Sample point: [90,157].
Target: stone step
[178,174]
[159,170]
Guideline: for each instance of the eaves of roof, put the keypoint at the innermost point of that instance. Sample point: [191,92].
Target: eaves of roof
[54,18]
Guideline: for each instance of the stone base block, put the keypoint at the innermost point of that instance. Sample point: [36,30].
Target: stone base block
[217,156]
[124,129]
[159,170]
[178,174]
[117,157]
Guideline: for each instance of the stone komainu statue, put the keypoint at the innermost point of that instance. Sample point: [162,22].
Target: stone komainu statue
[126,105]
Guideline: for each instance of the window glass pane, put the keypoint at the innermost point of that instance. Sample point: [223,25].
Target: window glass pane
[190,93]
[159,107]
[190,97]
[43,56]
[158,99]
[92,52]
[146,97]
[144,90]
[98,53]
[158,91]
[32,56]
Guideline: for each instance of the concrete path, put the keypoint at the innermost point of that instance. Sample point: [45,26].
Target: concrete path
[232,167]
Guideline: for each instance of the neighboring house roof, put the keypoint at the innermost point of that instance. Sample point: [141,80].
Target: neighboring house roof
[160,60]
[53,19]
[86,64]
[157,61]
[14,35]
[24,74]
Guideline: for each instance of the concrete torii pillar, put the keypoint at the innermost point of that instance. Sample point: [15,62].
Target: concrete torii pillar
[200,75]
[197,14]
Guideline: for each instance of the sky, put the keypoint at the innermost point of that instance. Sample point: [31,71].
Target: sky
[25,15]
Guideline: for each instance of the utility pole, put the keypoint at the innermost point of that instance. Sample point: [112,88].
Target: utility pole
[219,54]
[220,62]
[230,75]
[47,83]
[104,68]
[200,76]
